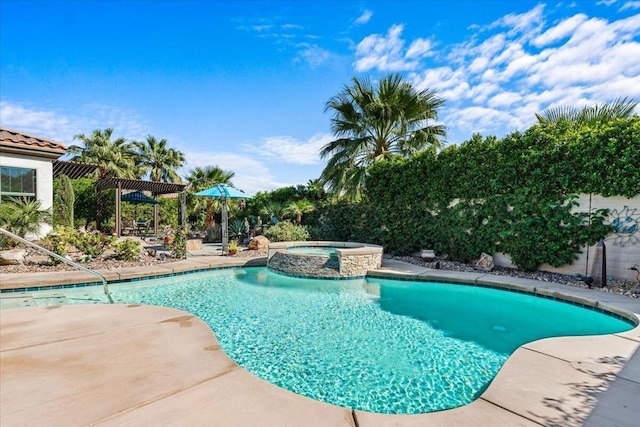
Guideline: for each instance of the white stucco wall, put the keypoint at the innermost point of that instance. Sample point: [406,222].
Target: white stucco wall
[622,250]
[44,180]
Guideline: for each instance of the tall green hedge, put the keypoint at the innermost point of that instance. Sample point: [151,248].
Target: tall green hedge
[63,201]
[514,194]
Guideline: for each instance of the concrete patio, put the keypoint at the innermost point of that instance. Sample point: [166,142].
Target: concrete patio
[130,365]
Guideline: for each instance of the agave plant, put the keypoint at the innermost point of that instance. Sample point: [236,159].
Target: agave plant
[236,229]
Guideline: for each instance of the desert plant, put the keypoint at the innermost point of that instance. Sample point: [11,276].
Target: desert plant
[234,247]
[127,250]
[23,216]
[286,231]
[59,241]
[92,243]
[236,229]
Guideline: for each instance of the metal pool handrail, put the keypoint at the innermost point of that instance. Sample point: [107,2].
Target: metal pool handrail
[63,259]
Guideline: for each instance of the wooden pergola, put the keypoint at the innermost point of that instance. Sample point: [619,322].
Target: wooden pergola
[78,170]
[154,187]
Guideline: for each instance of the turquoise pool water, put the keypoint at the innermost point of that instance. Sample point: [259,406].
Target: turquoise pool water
[371,344]
[313,250]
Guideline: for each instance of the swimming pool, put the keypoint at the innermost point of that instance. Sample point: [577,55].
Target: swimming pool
[378,345]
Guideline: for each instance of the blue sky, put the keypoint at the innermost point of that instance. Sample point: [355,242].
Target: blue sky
[243,84]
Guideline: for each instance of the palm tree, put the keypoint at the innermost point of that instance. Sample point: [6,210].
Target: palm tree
[115,158]
[159,161]
[23,216]
[203,178]
[298,208]
[271,207]
[619,108]
[316,189]
[372,124]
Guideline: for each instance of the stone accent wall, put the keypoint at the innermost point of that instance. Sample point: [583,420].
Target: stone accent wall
[304,265]
[351,260]
[358,265]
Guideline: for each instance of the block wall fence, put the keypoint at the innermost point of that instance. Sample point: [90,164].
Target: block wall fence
[622,246]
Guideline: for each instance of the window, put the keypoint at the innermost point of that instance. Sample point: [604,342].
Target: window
[17,182]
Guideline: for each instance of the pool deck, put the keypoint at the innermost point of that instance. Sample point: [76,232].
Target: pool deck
[132,365]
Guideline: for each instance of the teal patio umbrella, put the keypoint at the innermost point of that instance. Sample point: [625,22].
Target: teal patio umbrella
[137,197]
[224,192]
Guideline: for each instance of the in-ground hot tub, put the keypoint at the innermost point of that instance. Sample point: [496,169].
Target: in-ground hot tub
[324,259]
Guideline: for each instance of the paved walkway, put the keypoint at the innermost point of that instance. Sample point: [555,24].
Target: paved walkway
[131,365]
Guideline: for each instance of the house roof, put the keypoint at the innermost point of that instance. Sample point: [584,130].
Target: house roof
[17,142]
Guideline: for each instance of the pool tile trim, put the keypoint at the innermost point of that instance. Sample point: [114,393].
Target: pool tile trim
[479,281]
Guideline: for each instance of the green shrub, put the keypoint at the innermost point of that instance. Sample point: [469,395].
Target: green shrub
[127,250]
[63,201]
[59,241]
[285,231]
[22,216]
[513,195]
[179,245]
[92,243]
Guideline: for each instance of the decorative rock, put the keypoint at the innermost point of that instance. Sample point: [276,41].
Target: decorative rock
[485,263]
[12,257]
[194,244]
[258,243]
[428,255]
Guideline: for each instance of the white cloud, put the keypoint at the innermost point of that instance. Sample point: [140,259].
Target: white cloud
[47,124]
[291,27]
[251,175]
[419,48]
[477,119]
[383,52]
[504,99]
[364,18]
[560,31]
[314,55]
[523,23]
[479,64]
[292,151]
[264,166]
[491,46]
[262,28]
[495,82]
[630,5]
[480,93]
[63,127]
[617,87]
[607,2]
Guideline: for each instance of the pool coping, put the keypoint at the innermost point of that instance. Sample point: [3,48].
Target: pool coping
[539,384]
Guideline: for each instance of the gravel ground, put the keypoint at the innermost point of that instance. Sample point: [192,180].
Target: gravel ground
[629,289]
[36,263]
[40,263]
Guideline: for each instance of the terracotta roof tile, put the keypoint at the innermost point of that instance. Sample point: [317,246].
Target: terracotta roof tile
[15,140]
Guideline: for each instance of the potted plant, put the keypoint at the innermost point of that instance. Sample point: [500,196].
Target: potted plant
[233,247]
[168,236]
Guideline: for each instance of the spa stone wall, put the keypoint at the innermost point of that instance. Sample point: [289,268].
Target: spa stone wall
[339,266]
